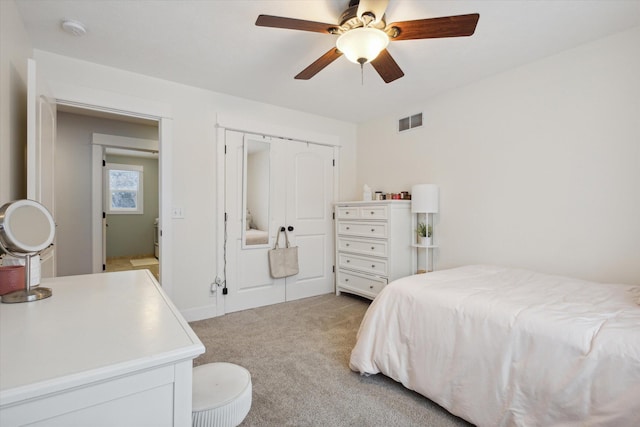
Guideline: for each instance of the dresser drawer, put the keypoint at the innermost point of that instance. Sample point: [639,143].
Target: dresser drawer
[347,212]
[373,212]
[360,284]
[361,263]
[362,246]
[364,229]
[364,212]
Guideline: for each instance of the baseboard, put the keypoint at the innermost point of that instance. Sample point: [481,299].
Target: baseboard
[199,313]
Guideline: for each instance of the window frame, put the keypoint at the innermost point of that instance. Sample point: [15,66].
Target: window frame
[109,209]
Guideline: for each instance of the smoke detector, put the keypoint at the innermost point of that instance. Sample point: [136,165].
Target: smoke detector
[74,27]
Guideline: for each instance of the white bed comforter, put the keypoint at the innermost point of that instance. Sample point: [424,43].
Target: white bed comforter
[503,347]
[254,236]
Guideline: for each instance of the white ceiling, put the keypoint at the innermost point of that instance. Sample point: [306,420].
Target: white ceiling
[214,44]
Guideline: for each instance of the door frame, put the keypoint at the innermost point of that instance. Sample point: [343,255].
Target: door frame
[123,105]
[238,123]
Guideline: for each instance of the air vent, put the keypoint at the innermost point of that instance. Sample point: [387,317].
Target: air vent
[411,122]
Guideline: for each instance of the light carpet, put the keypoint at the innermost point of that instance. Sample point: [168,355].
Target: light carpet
[298,355]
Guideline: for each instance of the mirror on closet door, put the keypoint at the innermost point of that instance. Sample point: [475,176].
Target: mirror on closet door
[256,197]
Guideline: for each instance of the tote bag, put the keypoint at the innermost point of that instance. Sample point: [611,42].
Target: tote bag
[283,262]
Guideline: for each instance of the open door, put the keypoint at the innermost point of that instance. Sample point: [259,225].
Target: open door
[41,136]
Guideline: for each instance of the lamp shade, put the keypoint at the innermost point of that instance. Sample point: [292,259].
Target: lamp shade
[362,45]
[424,198]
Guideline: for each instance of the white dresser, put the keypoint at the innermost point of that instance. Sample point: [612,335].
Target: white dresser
[373,245]
[106,349]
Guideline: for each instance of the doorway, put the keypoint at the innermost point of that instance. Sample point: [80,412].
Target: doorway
[131,206]
[99,103]
[74,182]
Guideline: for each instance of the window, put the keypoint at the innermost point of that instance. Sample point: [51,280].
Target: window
[124,189]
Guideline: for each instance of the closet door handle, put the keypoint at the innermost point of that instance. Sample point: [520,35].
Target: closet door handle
[290,228]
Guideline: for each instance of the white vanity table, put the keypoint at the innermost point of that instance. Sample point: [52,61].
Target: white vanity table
[106,349]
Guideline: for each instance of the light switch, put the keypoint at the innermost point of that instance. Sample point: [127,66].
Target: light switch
[177,213]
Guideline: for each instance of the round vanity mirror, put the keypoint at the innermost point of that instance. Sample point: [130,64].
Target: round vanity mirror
[26,229]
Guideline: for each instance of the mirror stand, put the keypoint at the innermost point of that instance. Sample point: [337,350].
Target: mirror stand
[27,294]
[26,229]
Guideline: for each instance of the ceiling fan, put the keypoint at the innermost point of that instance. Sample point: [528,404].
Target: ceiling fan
[364,35]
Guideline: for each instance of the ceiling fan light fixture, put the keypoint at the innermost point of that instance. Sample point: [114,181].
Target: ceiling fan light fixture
[362,45]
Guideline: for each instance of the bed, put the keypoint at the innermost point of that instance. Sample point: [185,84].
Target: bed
[254,236]
[503,347]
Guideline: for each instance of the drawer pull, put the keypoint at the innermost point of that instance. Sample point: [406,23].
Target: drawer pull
[373,266]
[373,247]
[348,228]
[348,260]
[347,245]
[346,280]
[373,229]
[372,213]
[346,213]
[370,286]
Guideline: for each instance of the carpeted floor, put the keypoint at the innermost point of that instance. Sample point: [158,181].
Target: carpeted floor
[298,355]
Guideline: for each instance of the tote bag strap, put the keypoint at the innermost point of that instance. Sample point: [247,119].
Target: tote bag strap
[286,237]
[278,237]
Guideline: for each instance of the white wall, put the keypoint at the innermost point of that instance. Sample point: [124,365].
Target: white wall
[538,167]
[15,49]
[194,157]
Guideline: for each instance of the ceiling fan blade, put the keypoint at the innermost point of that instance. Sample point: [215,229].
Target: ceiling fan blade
[432,28]
[376,7]
[293,24]
[319,64]
[387,67]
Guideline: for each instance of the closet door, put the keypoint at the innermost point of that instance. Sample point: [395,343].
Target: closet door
[300,197]
[249,283]
[309,202]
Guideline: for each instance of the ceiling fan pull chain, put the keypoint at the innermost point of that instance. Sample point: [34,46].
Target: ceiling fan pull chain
[362,73]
